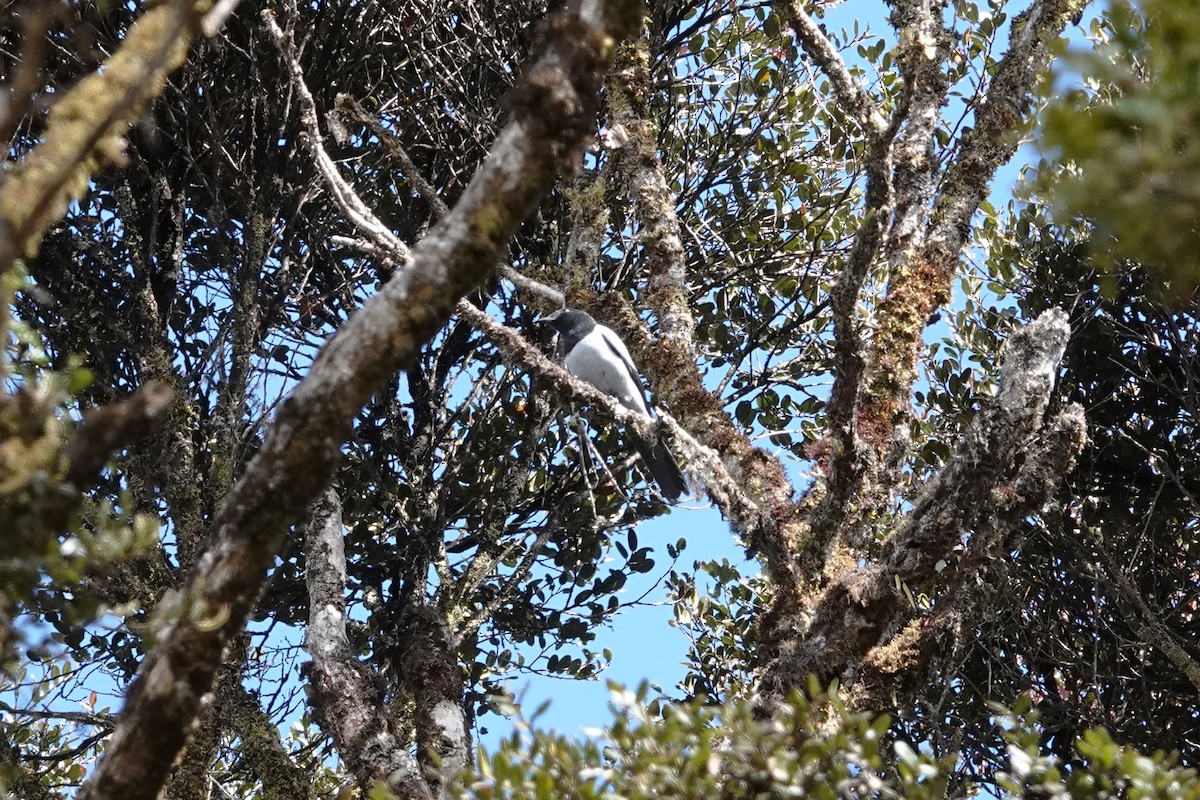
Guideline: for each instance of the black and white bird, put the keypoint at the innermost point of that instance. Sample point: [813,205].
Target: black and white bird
[594,353]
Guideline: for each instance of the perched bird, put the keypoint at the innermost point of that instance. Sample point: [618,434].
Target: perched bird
[594,353]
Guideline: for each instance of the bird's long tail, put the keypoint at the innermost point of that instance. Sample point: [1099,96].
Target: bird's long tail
[665,469]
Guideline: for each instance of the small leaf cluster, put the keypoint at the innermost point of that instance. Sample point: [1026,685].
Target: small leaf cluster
[810,746]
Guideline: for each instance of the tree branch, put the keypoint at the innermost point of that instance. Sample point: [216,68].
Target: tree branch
[348,106]
[347,199]
[552,113]
[895,671]
[852,99]
[86,128]
[925,261]
[992,141]
[346,700]
[107,429]
[1155,633]
[259,744]
[748,484]
[858,609]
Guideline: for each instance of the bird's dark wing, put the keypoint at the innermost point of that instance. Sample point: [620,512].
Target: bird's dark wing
[663,468]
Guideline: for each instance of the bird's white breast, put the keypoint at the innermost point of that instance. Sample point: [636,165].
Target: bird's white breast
[594,361]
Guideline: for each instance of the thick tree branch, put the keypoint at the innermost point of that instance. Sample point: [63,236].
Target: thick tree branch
[429,667]
[347,701]
[925,256]
[107,429]
[552,112]
[841,474]
[654,208]
[748,484]
[86,127]
[921,51]
[853,99]
[895,671]
[862,606]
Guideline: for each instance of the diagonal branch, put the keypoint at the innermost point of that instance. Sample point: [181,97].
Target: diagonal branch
[747,483]
[891,674]
[85,129]
[1155,633]
[703,461]
[350,107]
[347,199]
[851,96]
[993,140]
[552,113]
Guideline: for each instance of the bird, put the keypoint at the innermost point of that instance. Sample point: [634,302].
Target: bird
[594,353]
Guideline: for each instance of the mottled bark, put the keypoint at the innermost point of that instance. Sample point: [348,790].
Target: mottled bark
[748,484]
[260,747]
[918,649]
[1004,468]
[870,400]
[428,663]
[925,246]
[552,113]
[86,127]
[347,699]
[825,505]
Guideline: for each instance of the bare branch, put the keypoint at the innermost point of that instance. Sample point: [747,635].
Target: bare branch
[348,106]
[358,212]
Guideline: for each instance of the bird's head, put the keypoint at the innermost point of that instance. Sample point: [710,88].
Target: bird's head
[566,320]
